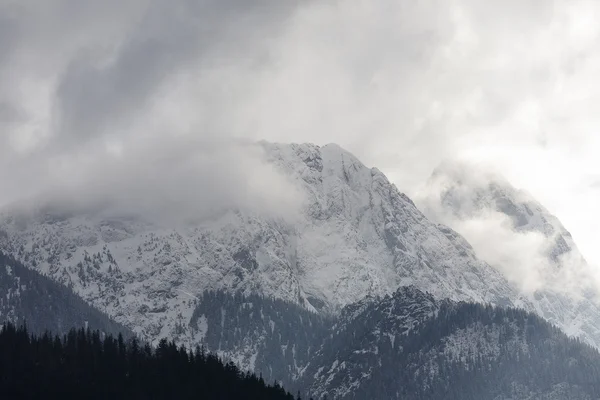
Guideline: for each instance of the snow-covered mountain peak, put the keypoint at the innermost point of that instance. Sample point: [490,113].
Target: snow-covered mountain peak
[512,231]
[356,236]
[465,192]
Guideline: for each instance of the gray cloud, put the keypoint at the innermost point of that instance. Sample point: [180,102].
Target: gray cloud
[9,32]
[174,181]
[401,84]
[111,64]
[95,94]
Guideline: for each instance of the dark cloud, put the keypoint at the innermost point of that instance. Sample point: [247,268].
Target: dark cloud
[9,32]
[96,95]
[10,115]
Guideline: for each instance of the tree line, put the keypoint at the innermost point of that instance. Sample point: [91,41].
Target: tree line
[88,364]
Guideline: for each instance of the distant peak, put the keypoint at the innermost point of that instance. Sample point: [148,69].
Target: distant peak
[460,172]
[334,147]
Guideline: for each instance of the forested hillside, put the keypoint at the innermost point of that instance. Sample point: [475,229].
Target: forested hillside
[43,304]
[409,346]
[405,346]
[269,336]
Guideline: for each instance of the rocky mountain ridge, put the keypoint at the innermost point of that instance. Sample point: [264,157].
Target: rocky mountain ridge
[356,235]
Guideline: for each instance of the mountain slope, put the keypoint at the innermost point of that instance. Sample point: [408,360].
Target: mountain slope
[356,235]
[521,238]
[467,192]
[274,338]
[407,345]
[410,346]
[28,297]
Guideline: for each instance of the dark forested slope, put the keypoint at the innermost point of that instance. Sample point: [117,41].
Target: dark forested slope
[410,346]
[84,365]
[269,336]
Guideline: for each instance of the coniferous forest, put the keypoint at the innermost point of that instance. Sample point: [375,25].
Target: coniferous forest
[85,364]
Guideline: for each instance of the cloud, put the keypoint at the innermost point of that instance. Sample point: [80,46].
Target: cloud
[403,85]
[172,181]
[507,228]
[98,91]
[95,93]
[518,255]
[522,256]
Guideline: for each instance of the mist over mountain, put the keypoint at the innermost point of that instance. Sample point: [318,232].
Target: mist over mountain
[158,174]
[169,182]
[517,235]
[465,192]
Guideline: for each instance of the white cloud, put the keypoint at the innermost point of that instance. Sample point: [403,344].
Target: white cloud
[402,84]
[507,228]
[172,180]
[519,256]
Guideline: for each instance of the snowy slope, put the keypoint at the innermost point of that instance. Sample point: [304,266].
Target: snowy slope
[357,235]
[44,305]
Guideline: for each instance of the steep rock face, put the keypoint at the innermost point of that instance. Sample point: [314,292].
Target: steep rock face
[362,236]
[356,235]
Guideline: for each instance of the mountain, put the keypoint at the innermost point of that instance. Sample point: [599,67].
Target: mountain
[42,304]
[412,346]
[356,235]
[357,295]
[407,345]
[272,337]
[466,191]
[517,235]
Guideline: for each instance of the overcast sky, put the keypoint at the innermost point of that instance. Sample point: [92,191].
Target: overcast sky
[91,87]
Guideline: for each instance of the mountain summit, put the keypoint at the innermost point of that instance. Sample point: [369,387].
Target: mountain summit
[355,236]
